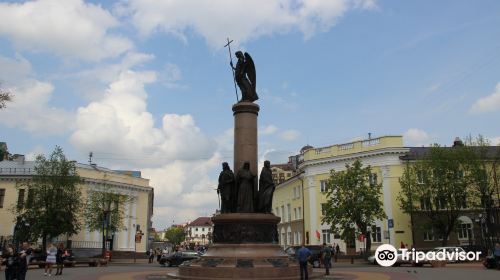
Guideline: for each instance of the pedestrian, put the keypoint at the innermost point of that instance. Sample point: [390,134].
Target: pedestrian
[151,255]
[11,262]
[51,259]
[326,254]
[60,256]
[24,260]
[337,252]
[496,253]
[158,254]
[304,255]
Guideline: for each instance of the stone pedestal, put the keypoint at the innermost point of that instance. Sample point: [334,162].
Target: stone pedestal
[245,135]
[246,255]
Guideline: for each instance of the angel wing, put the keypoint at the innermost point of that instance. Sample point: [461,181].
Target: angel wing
[250,69]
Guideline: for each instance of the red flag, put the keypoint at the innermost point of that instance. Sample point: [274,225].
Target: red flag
[318,235]
[361,237]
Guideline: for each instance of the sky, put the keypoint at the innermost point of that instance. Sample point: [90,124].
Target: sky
[146,84]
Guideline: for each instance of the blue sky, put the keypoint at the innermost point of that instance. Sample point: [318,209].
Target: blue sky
[146,85]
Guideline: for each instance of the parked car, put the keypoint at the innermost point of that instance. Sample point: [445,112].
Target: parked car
[449,249]
[178,257]
[315,259]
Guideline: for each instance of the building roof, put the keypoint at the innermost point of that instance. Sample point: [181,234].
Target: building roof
[201,222]
[416,153]
[12,167]
[283,166]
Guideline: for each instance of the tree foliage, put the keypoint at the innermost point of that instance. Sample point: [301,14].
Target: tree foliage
[53,198]
[106,207]
[353,202]
[5,97]
[175,235]
[105,211]
[446,181]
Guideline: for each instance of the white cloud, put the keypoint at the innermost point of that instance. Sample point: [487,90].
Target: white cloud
[487,104]
[417,137]
[494,140]
[69,28]
[177,157]
[240,20]
[30,109]
[268,130]
[289,135]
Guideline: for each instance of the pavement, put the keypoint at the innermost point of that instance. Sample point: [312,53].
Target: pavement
[141,270]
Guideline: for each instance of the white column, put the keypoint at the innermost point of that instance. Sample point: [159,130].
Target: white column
[387,193]
[313,210]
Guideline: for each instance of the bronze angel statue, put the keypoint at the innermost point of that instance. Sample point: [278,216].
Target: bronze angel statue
[245,76]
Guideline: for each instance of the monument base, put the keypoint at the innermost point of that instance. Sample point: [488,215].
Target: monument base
[249,254]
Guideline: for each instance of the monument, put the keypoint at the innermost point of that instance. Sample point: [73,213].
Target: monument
[245,237]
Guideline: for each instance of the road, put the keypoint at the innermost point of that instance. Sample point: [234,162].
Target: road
[342,271]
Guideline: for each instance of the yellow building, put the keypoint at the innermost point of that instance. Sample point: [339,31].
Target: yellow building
[314,165]
[138,213]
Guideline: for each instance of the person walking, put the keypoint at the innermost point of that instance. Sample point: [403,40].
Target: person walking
[158,254]
[11,262]
[151,255]
[337,252]
[51,259]
[496,254]
[24,260]
[60,256]
[304,255]
[326,254]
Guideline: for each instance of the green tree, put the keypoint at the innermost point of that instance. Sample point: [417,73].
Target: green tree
[483,168]
[5,97]
[104,211]
[438,187]
[353,202]
[53,201]
[175,235]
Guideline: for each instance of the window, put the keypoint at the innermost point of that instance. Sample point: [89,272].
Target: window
[323,185]
[326,236]
[295,213]
[425,203]
[20,199]
[298,192]
[290,241]
[323,209]
[299,213]
[465,231]
[294,192]
[283,238]
[428,235]
[289,209]
[202,229]
[2,197]
[196,229]
[283,213]
[376,234]
[373,178]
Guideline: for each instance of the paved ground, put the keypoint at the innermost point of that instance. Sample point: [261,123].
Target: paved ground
[140,271]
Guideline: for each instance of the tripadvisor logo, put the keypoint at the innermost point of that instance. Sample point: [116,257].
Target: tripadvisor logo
[386,255]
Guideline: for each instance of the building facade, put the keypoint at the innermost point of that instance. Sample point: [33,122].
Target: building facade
[314,166]
[199,231]
[138,212]
[387,157]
